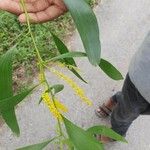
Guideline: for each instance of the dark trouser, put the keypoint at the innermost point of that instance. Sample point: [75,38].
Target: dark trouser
[130,104]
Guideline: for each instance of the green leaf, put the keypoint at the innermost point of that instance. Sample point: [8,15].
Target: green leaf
[7,109]
[87,26]
[80,138]
[88,1]
[103,130]
[11,102]
[62,48]
[68,55]
[38,146]
[69,143]
[77,74]
[11,120]
[110,70]
[6,75]
[57,88]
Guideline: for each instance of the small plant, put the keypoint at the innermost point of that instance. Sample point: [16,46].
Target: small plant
[76,138]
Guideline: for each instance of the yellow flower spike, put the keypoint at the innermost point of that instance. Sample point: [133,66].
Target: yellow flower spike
[41,77]
[60,106]
[49,102]
[80,92]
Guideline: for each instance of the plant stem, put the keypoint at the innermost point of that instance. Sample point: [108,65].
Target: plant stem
[30,31]
[41,64]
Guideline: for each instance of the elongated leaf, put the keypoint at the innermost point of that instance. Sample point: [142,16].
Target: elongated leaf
[103,130]
[110,70]
[80,138]
[69,143]
[6,75]
[65,55]
[7,100]
[57,88]
[88,1]
[11,120]
[11,102]
[87,26]
[77,74]
[38,146]
[62,48]
[71,55]
[7,109]
[68,55]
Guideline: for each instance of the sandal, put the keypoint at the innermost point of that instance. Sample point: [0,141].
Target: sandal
[103,111]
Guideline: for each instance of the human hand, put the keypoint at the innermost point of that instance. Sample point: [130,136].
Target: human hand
[38,10]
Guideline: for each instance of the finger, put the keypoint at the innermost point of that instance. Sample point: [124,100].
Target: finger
[43,16]
[28,1]
[36,5]
[10,6]
[14,6]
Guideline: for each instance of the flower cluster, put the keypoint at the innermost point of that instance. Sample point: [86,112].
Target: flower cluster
[41,77]
[49,102]
[80,92]
[60,106]
[54,106]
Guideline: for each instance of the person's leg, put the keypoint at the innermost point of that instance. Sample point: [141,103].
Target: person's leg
[130,104]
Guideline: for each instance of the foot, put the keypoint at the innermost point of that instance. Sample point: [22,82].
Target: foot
[106,109]
[104,139]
